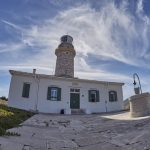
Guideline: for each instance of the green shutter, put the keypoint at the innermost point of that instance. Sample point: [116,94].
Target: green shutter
[59,94]
[49,93]
[26,90]
[97,96]
[23,91]
[89,96]
[116,96]
[110,97]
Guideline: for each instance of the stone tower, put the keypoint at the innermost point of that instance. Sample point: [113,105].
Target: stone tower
[65,58]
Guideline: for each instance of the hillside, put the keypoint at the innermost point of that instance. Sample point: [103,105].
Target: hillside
[11,117]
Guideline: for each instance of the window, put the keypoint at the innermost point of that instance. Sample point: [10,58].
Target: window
[64,39]
[74,90]
[112,96]
[71,90]
[77,90]
[26,90]
[93,96]
[54,94]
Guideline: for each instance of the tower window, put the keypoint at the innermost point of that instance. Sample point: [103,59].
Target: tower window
[64,39]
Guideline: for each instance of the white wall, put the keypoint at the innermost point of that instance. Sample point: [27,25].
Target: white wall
[118,105]
[44,105]
[104,96]
[15,98]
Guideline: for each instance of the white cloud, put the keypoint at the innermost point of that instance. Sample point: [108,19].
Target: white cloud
[110,33]
[10,47]
[4,91]
[93,31]
[140,6]
[11,24]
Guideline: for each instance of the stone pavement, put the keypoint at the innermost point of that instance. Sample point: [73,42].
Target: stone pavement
[80,132]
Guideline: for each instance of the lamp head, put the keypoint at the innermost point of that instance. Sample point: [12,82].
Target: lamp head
[134,82]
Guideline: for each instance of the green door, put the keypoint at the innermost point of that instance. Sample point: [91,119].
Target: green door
[74,100]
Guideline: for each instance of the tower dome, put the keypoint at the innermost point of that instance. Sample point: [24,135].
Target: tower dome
[66,39]
[65,57]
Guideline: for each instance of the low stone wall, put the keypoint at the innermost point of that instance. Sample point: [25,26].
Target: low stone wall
[140,105]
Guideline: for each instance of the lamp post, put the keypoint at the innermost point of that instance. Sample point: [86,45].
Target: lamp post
[137,90]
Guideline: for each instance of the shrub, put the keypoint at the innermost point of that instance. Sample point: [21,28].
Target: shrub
[11,117]
[3,98]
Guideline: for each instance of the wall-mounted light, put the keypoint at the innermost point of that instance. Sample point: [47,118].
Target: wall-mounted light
[138,89]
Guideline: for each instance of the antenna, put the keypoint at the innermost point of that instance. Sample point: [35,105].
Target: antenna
[67,33]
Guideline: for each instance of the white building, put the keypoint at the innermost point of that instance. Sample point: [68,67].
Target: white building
[62,91]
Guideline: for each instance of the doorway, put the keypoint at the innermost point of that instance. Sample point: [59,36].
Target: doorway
[75,98]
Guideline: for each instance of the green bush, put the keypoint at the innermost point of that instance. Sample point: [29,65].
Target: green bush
[11,117]
[2,131]
[3,98]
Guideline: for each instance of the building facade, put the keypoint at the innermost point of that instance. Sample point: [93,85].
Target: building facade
[62,91]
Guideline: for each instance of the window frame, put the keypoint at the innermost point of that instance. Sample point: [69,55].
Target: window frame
[26,94]
[51,90]
[97,97]
[74,90]
[54,94]
[113,96]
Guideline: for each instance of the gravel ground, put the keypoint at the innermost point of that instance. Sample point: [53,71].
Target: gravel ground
[116,131]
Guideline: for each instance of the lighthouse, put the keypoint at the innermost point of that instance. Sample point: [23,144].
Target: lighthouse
[65,58]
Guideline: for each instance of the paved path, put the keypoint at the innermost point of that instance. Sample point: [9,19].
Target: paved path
[80,132]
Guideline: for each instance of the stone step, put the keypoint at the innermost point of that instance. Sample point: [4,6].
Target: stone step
[77,111]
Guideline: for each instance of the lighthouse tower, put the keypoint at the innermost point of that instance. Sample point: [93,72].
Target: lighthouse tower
[65,58]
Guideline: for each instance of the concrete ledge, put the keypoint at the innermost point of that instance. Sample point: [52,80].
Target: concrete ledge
[67,111]
[139,96]
[140,105]
[87,111]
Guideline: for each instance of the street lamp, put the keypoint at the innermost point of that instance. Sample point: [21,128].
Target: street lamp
[137,90]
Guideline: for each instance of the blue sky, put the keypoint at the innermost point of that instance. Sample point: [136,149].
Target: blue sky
[111,38]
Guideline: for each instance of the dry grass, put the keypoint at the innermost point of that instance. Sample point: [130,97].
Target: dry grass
[11,117]
[2,102]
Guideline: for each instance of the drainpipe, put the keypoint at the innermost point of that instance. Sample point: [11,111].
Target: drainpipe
[106,105]
[37,80]
[106,102]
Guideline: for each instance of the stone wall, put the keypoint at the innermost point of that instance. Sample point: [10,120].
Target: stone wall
[65,60]
[126,104]
[140,105]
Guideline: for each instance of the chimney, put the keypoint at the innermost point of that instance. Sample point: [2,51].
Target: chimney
[34,71]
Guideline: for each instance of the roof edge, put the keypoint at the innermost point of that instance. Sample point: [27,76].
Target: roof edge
[21,73]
